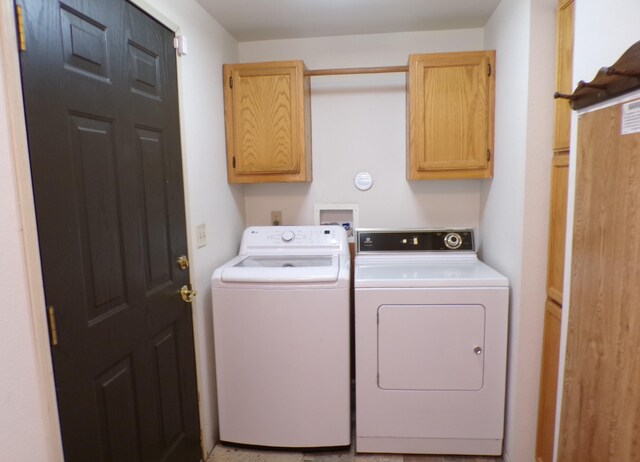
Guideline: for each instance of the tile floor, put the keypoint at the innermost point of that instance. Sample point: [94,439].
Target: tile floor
[224,453]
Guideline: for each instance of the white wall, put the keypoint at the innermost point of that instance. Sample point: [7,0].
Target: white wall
[359,124]
[603,31]
[25,428]
[515,205]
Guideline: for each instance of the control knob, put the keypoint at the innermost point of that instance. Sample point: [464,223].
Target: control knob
[287,236]
[452,241]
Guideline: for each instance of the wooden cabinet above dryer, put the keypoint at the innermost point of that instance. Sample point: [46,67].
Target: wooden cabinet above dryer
[450,104]
[268,122]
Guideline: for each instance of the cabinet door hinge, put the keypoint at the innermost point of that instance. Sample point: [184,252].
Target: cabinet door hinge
[53,330]
[230,82]
[488,155]
[233,161]
[489,69]
[22,42]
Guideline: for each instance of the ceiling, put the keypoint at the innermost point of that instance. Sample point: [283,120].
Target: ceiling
[250,20]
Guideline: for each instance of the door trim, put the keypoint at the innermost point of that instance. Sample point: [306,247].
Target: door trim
[27,216]
[155,14]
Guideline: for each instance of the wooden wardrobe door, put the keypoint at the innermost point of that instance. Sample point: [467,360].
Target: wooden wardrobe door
[600,418]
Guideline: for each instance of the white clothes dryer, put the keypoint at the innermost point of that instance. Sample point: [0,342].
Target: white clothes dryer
[281,327]
[431,344]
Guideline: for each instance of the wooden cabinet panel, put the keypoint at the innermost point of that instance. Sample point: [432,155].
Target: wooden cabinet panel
[564,73]
[557,225]
[267,122]
[450,99]
[600,418]
[557,235]
[548,382]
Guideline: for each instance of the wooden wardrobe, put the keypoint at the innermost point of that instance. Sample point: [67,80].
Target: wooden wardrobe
[600,415]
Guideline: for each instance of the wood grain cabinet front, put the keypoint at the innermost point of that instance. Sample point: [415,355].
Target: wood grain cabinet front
[450,103]
[268,122]
[564,73]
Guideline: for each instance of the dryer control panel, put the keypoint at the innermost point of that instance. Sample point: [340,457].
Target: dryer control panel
[420,240]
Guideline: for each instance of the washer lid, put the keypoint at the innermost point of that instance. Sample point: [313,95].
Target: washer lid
[425,272]
[283,268]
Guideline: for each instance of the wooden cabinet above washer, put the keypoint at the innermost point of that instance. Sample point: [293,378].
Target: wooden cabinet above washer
[268,122]
[450,103]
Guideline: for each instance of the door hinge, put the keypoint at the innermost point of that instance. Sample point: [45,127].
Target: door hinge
[53,330]
[489,69]
[230,81]
[233,161]
[22,42]
[488,155]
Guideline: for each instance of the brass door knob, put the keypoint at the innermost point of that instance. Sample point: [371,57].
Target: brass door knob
[187,294]
[183,262]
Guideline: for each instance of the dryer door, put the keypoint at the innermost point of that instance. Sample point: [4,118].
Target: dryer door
[431,347]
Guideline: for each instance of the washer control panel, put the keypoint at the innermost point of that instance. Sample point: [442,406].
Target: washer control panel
[277,238]
[425,240]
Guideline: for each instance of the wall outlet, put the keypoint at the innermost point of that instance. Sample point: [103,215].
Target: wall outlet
[276,218]
[201,235]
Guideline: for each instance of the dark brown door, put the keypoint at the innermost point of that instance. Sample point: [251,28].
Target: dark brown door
[99,79]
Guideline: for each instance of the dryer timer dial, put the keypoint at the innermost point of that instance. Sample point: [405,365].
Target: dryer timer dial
[452,241]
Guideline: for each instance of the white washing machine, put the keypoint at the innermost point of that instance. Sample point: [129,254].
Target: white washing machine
[431,344]
[281,327]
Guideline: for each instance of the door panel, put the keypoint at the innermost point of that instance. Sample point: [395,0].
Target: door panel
[548,382]
[100,88]
[167,367]
[557,225]
[266,114]
[156,221]
[116,402]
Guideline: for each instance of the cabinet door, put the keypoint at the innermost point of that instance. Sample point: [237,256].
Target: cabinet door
[548,382]
[557,225]
[266,115]
[450,104]
[564,74]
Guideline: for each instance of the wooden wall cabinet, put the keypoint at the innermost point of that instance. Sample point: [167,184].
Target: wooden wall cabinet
[268,122]
[450,103]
